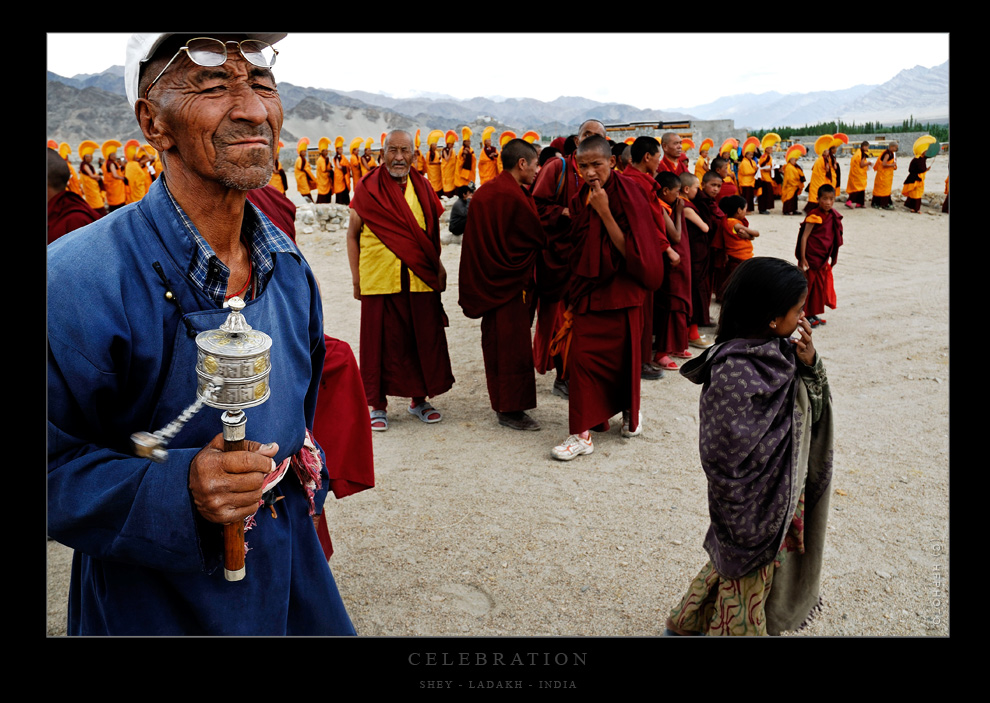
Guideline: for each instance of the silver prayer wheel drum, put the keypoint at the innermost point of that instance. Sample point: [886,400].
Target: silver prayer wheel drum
[238,354]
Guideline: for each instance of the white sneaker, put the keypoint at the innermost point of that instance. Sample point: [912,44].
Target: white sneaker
[625,425]
[573,446]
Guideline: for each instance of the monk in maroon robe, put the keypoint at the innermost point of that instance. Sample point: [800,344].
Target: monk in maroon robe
[645,159]
[403,344]
[817,251]
[615,263]
[66,210]
[703,252]
[503,239]
[555,187]
[672,307]
[673,155]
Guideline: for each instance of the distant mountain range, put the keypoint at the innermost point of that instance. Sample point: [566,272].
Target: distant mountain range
[94,106]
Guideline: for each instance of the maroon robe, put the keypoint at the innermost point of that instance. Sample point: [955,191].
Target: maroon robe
[557,183]
[704,252]
[403,344]
[672,309]
[67,212]
[503,239]
[605,295]
[822,245]
[652,191]
[280,210]
[668,165]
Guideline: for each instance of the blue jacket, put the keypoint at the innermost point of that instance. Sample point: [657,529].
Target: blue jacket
[120,360]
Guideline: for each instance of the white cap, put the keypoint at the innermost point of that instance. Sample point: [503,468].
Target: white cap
[141,47]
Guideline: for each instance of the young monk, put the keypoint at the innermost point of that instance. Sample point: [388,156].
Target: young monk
[614,264]
[793,180]
[856,184]
[817,251]
[645,159]
[738,235]
[502,241]
[884,180]
[723,168]
[703,252]
[672,306]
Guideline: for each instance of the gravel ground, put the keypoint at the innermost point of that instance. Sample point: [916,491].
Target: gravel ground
[474,530]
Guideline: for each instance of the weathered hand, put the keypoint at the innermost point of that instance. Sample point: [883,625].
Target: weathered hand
[226,486]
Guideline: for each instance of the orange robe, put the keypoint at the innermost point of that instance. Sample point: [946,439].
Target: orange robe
[91,189]
[341,175]
[114,186]
[356,172]
[448,169]
[433,168]
[487,165]
[324,183]
[820,175]
[304,177]
[462,175]
[701,167]
[857,173]
[137,181]
[73,184]
[885,174]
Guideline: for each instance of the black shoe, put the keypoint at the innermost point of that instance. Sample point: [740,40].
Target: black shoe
[518,420]
[651,372]
[560,389]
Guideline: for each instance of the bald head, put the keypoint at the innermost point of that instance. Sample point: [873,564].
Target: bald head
[590,128]
[670,142]
[594,144]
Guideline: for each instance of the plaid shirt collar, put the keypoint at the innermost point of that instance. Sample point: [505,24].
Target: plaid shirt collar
[263,239]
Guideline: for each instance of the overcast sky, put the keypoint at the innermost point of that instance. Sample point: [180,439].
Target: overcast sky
[546,66]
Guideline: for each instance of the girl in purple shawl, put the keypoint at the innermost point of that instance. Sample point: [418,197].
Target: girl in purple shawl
[766,448]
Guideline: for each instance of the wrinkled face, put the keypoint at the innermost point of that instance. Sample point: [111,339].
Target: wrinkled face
[591,128]
[399,155]
[595,167]
[221,122]
[712,188]
[785,325]
[672,149]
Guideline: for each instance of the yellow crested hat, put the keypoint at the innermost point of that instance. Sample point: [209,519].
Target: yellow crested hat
[434,136]
[371,140]
[53,145]
[507,136]
[531,136]
[150,151]
[706,144]
[839,138]
[130,149]
[338,142]
[487,133]
[921,144]
[356,143]
[823,143]
[750,145]
[324,143]
[87,147]
[416,141]
[728,145]
[687,144]
[278,148]
[451,136]
[769,139]
[630,140]
[64,150]
[466,133]
[795,151]
[302,145]
[109,147]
